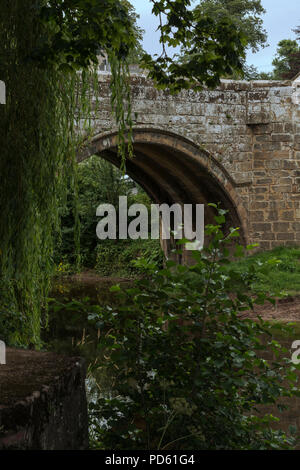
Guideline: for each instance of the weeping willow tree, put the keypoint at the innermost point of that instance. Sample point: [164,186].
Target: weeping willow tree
[47,59]
[48,49]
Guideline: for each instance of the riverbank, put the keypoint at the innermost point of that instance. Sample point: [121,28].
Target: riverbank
[39,392]
[286,309]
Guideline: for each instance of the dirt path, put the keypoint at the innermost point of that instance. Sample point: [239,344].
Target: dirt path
[286,310]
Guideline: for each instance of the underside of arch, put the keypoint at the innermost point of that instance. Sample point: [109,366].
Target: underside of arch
[172,169]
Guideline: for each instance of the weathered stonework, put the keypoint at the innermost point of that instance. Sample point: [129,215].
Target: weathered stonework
[42,402]
[238,144]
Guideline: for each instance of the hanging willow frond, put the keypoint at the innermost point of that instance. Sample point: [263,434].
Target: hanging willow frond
[39,138]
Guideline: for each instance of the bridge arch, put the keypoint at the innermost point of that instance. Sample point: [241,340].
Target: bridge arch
[173,169]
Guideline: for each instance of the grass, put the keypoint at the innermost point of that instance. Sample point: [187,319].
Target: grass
[276,271]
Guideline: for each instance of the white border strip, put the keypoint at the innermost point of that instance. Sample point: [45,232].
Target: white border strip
[2,92]
[2,353]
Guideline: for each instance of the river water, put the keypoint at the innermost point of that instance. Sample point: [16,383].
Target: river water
[69,333]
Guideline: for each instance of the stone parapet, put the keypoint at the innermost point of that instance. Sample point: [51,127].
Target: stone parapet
[252,131]
[42,402]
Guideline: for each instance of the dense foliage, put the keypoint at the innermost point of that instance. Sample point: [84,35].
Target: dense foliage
[79,30]
[117,258]
[99,182]
[187,371]
[246,15]
[42,46]
[211,47]
[287,60]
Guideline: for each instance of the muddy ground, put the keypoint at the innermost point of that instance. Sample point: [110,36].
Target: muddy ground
[285,310]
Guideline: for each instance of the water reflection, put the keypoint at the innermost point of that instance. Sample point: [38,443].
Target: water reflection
[69,331]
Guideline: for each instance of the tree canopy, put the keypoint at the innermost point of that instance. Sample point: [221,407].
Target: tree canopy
[78,30]
[245,14]
[211,47]
[287,60]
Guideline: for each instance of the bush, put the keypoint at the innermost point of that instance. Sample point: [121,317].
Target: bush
[116,257]
[188,370]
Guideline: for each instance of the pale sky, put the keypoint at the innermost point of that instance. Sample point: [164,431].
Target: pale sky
[280,18]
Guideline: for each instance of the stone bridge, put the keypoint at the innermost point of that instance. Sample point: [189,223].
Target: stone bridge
[238,144]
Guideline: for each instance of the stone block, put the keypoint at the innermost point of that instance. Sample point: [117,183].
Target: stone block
[42,402]
[285,236]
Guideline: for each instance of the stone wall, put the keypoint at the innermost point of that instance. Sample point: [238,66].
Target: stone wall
[42,402]
[251,128]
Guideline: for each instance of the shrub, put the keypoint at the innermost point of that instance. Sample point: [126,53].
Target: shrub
[117,257]
[188,370]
